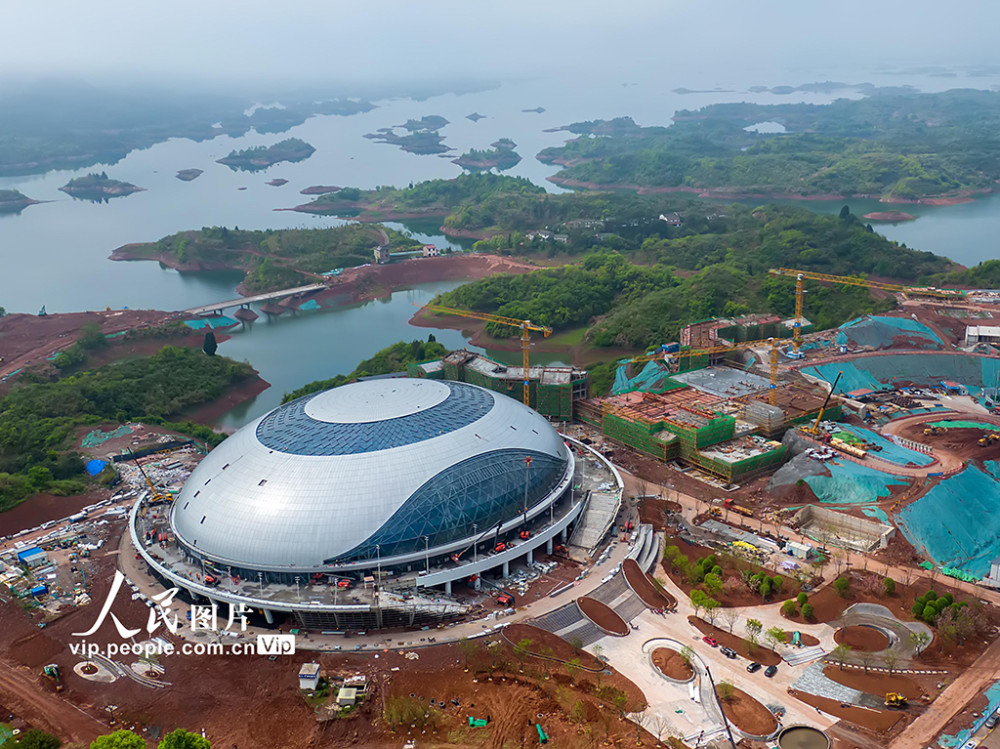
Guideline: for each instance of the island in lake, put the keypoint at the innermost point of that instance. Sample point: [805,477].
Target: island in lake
[536,110]
[475,117]
[942,152]
[13,201]
[319,190]
[891,216]
[422,135]
[186,175]
[262,157]
[276,182]
[500,156]
[98,188]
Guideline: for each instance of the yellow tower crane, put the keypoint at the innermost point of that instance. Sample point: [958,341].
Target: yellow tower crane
[800,291]
[772,342]
[524,325]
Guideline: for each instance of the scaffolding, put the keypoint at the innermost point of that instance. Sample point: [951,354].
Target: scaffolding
[647,437]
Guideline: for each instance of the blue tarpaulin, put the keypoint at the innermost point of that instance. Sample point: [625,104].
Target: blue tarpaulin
[94,467]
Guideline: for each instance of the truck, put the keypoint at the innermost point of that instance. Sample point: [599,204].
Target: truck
[895,699]
[730,505]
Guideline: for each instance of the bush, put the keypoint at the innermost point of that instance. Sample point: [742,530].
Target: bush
[788,608]
[801,598]
[807,611]
[842,585]
[889,586]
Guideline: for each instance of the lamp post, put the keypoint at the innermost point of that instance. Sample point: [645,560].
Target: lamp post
[298,595]
[427,553]
[260,579]
[475,543]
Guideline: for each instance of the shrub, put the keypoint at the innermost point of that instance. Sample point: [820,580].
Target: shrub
[801,598]
[842,585]
[788,608]
[889,586]
[807,611]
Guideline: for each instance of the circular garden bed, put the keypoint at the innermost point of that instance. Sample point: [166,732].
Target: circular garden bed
[671,664]
[749,715]
[862,637]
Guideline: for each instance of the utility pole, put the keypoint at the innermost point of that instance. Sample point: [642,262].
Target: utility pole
[725,721]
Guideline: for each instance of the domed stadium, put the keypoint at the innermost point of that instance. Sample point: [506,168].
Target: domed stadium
[413,482]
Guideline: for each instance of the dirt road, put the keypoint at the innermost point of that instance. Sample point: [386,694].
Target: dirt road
[970,683]
[44,710]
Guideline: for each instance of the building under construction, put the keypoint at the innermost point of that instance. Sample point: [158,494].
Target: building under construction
[720,419]
[553,391]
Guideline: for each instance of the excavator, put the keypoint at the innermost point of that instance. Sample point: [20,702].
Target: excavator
[933,431]
[52,672]
[989,439]
[895,699]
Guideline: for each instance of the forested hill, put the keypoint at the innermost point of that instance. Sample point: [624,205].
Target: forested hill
[696,276]
[902,146]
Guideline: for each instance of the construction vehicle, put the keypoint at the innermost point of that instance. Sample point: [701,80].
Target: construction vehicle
[543,738]
[895,699]
[504,596]
[730,505]
[52,672]
[715,512]
[661,354]
[457,556]
[933,431]
[848,448]
[524,325]
[156,497]
[211,580]
[478,722]
[988,439]
[814,429]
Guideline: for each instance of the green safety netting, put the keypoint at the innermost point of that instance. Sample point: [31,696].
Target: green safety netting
[957,523]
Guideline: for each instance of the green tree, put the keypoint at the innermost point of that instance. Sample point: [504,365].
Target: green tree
[210,345]
[840,653]
[31,739]
[801,598]
[842,585]
[776,636]
[845,213]
[725,690]
[119,740]
[687,653]
[713,584]
[807,611]
[572,669]
[753,628]
[788,608]
[521,650]
[181,739]
[889,586]
[469,648]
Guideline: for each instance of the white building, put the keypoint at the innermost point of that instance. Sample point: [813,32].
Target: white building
[430,250]
[309,677]
[981,334]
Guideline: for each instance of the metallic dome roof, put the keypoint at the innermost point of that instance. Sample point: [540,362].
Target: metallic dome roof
[402,463]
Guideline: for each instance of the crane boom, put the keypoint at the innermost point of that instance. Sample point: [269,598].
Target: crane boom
[859,281]
[525,325]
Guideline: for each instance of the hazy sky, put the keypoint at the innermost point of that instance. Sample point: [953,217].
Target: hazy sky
[274,40]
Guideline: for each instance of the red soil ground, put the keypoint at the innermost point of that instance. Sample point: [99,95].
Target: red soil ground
[866,639]
[875,683]
[761,654]
[963,443]
[671,664]
[735,593]
[877,721]
[603,616]
[749,715]
[806,639]
[541,639]
[29,339]
[207,691]
[645,588]
[652,511]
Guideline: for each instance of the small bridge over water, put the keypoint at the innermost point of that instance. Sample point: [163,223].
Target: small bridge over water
[246,301]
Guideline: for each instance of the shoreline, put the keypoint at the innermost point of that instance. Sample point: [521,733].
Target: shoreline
[723,193]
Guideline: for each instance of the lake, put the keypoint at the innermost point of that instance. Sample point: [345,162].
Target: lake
[55,254]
